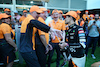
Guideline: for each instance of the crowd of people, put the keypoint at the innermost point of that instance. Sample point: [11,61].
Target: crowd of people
[36,35]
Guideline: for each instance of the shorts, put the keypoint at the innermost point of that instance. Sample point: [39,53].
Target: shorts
[7,53]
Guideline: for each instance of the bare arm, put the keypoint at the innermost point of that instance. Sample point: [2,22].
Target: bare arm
[63,36]
[9,40]
[43,39]
[89,27]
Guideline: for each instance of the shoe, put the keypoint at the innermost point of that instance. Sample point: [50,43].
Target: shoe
[92,55]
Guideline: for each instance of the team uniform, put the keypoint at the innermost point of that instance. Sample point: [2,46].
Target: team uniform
[60,25]
[85,16]
[22,18]
[75,37]
[7,54]
[39,47]
[27,41]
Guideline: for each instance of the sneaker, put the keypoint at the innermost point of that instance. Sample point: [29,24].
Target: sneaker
[93,56]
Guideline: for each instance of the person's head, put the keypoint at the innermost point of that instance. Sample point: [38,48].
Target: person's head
[70,17]
[44,14]
[86,12]
[60,13]
[7,11]
[96,17]
[55,14]
[99,18]
[34,10]
[15,12]
[25,12]
[91,16]
[78,12]
[5,18]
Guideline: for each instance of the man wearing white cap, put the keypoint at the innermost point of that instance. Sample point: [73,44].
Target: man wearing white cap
[16,16]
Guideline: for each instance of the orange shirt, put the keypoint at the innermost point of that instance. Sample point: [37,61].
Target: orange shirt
[4,29]
[85,16]
[60,25]
[22,18]
[82,23]
[78,17]
[41,32]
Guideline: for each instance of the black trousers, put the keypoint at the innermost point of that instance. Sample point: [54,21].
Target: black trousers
[40,52]
[57,48]
[99,41]
[30,59]
[90,40]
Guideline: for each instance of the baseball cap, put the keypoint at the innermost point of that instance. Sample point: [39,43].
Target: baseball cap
[44,9]
[7,10]
[60,11]
[86,11]
[35,8]
[71,13]
[24,11]
[54,11]
[3,15]
[91,15]
[78,11]
[15,11]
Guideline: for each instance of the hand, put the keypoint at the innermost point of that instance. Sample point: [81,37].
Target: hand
[50,47]
[56,32]
[63,44]
[47,49]
[52,36]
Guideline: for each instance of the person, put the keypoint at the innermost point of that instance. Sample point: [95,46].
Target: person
[75,39]
[8,21]
[27,39]
[60,25]
[91,17]
[7,11]
[48,19]
[42,40]
[93,27]
[23,17]
[7,45]
[16,16]
[85,15]
[99,35]
[60,15]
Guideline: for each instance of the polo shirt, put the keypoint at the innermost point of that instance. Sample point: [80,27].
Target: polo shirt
[59,25]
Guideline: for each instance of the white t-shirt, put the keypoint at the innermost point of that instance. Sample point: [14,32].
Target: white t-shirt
[48,20]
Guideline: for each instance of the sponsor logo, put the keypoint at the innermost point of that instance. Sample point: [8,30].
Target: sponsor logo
[80,35]
[81,31]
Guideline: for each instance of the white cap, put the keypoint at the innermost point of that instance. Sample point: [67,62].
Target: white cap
[15,11]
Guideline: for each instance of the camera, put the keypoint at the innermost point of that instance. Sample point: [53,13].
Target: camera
[94,22]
